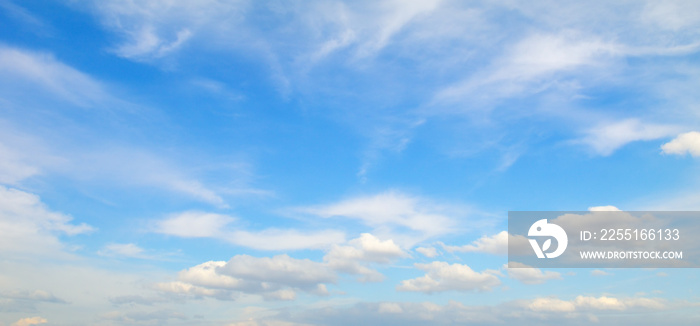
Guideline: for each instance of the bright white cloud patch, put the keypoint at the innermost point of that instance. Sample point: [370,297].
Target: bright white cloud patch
[606,138]
[274,278]
[687,143]
[353,258]
[530,275]
[28,226]
[551,305]
[496,244]
[442,276]
[194,224]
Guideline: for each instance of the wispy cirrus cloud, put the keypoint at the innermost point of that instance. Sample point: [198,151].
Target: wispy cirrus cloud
[605,139]
[44,71]
[30,228]
[198,224]
[404,218]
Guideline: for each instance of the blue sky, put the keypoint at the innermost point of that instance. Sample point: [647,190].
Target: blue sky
[335,163]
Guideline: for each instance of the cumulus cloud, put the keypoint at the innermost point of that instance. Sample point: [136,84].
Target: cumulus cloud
[551,305]
[496,244]
[687,143]
[28,226]
[281,277]
[441,276]
[530,275]
[352,259]
[274,278]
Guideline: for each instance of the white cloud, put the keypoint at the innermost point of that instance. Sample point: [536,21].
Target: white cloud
[53,152]
[429,252]
[530,275]
[390,308]
[43,70]
[606,138]
[601,303]
[526,64]
[403,218]
[156,29]
[194,224]
[441,276]
[598,272]
[541,310]
[397,14]
[496,244]
[674,15]
[138,167]
[281,277]
[36,295]
[273,278]
[28,226]
[158,317]
[367,248]
[688,142]
[607,208]
[145,42]
[282,270]
[30,321]
[551,305]
[13,166]
[122,249]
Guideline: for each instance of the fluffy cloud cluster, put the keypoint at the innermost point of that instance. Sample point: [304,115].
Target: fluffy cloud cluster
[277,278]
[281,277]
[353,258]
[441,276]
[687,143]
[530,275]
